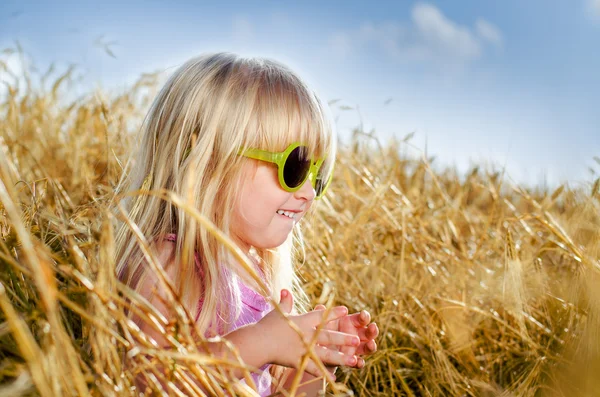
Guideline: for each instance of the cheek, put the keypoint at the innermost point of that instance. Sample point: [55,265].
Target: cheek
[254,207]
[250,213]
[260,196]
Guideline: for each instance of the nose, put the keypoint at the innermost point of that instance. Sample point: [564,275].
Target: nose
[306,192]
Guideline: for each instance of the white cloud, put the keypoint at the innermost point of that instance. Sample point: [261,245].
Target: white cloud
[430,36]
[489,32]
[440,34]
[593,7]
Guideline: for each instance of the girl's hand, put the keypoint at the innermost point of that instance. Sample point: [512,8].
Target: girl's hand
[358,324]
[284,346]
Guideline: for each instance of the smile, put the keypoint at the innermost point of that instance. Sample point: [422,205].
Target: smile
[291,215]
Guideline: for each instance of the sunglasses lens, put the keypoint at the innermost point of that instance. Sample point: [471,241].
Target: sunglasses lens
[322,182]
[296,167]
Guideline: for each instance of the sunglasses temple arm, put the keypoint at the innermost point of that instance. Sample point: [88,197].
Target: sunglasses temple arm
[263,155]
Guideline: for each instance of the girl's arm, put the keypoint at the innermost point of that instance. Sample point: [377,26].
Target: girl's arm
[271,340]
[250,343]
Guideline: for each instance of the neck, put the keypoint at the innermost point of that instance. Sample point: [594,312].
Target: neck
[249,252]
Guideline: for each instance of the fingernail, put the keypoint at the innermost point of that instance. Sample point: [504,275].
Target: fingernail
[283,293]
[355,341]
[341,309]
[351,361]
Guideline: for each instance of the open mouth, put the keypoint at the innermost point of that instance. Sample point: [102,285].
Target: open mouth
[287,214]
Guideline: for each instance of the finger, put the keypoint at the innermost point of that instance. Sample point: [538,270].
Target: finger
[360,363]
[332,357]
[349,350]
[316,316]
[346,325]
[332,325]
[371,346]
[335,338]
[372,331]
[361,318]
[366,348]
[366,333]
[287,301]
[312,369]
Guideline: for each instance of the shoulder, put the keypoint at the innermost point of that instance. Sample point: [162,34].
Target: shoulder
[154,291]
[164,252]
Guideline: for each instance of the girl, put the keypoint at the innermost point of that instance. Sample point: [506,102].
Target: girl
[249,145]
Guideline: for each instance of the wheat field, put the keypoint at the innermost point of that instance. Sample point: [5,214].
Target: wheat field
[479,287]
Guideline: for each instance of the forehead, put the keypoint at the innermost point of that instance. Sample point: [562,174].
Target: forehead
[286,129]
[286,113]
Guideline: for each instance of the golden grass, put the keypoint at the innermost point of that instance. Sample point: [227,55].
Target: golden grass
[479,288]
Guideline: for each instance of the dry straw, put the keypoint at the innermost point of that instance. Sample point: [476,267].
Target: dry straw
[479,287]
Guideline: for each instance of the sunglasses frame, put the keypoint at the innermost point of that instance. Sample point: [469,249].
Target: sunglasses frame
[280,158]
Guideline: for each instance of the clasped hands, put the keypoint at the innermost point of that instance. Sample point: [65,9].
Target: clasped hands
[358,324]
[342,340]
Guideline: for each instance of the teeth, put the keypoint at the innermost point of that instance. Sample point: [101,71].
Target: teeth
[287,213]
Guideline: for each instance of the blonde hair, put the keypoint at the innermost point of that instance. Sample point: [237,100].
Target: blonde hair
[210,108]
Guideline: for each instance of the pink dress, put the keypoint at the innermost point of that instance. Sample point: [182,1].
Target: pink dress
[254,308]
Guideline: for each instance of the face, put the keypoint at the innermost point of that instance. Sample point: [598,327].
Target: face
[255,219]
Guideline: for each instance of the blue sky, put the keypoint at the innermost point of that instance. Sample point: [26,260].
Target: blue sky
[510,83]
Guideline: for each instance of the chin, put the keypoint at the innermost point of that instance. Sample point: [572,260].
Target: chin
[269,244]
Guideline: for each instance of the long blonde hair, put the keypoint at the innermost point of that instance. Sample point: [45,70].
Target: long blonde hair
[210,108]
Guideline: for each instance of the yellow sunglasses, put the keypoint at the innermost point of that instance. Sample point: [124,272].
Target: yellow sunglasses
[294,167]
